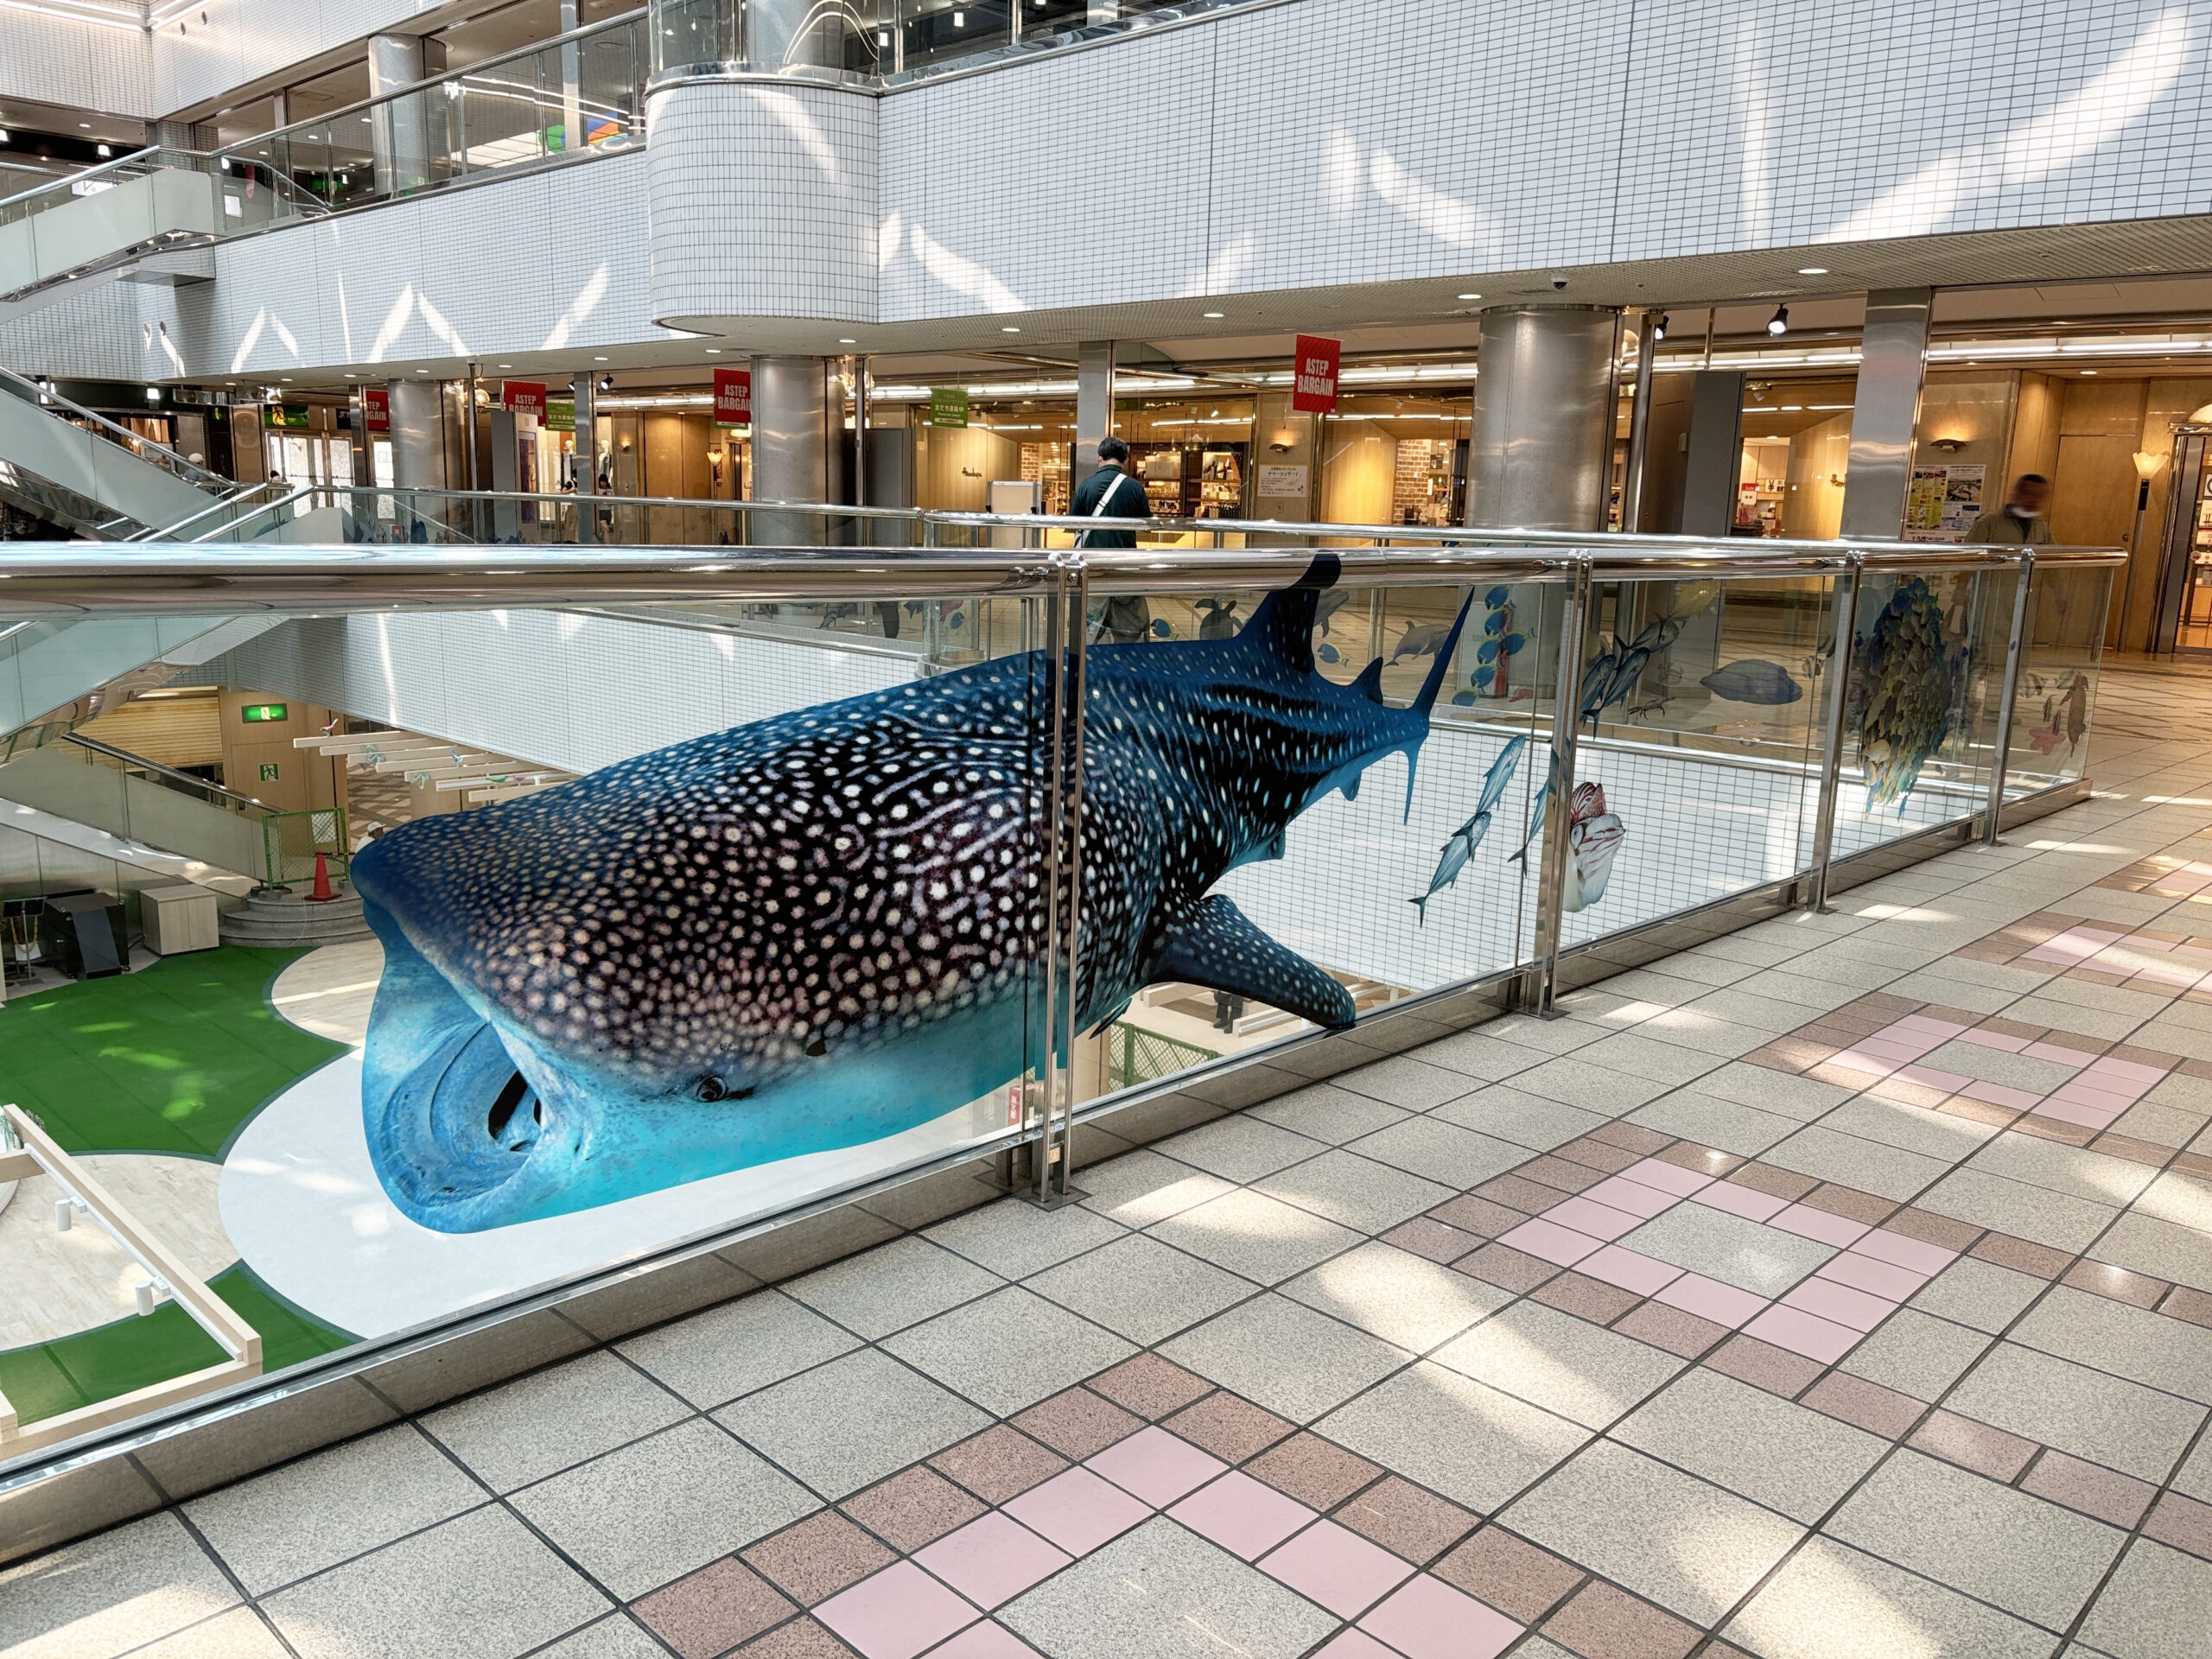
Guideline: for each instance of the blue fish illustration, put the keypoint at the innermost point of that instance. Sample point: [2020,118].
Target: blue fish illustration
[1469,836]
[824,928]
[1553,785]
[1750,679]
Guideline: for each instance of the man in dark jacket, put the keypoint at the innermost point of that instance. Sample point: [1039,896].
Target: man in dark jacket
[1113,492]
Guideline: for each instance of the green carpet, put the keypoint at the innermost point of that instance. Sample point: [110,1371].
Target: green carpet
[51,1378]
[171,1059]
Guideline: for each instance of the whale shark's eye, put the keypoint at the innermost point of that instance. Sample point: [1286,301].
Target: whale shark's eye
[710,1088]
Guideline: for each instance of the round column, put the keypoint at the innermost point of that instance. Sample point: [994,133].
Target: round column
[790,447]
[1542,432]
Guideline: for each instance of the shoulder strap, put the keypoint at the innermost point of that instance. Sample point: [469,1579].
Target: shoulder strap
[1106,495]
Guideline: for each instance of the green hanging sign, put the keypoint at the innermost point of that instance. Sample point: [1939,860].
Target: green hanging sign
[948,406]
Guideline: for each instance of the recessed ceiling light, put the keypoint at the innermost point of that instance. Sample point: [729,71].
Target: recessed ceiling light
[1215,316]
[1812,271]
[713,351]
[2089,370]
[1009,329]
[1470,296]
[599,360]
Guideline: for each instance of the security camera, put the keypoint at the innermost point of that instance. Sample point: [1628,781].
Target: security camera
[1559,280]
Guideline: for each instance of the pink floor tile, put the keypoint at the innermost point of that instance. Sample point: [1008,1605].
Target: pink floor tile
[1858,1060]
[2058,1055]
[2070,946]
[992,1559]
[1803,1334]
[1901,1048]
[985,1641]
[1926,1025]
[1550,1241]
[1668,1177]
[1877,1278]
[896,1614]
[1156,1465]
[1639,1199]
[1861,1310]
[2171,973]
[1336,1568]
[1817,1225]
[1242,1517]
[1950,1082]
[1994,1040]
[1711,1299]
[2001,1094]
[1629,1270]
[2071,1111]
[2099,1091]
[2127,1070]
[1597,1220]
[1356,1644]
[1740,1200]
[1428,1619]
[1077,1510]
[1916,1254]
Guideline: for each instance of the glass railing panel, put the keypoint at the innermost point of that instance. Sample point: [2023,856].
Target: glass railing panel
[1927,667]
[2060,663]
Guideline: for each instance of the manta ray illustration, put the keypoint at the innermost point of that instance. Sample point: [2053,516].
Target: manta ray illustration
[824,928]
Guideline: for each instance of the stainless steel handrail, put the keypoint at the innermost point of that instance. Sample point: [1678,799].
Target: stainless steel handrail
[125,578]
[66,182]
[183,782]
[241,498]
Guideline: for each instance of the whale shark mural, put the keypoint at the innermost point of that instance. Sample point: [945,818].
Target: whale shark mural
[824,928]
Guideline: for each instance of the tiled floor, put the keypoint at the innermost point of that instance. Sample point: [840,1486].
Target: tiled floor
[1841,1288]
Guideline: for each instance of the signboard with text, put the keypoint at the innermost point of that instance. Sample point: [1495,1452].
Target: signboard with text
[1313,381]
[522,398]
[376,406]
[560,415]
[732,397]
[948,406]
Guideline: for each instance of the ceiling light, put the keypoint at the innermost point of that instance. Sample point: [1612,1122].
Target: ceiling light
[85,126]
[2089,370]
[1470,296]
[848,342]
[1812,271]
[599,360]
[713,351]
[1779,323]
[1213,316]
[1009,329]
[153,394]
[1659,329]
[105,150]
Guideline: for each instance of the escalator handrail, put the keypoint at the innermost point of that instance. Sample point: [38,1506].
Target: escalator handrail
[131,443]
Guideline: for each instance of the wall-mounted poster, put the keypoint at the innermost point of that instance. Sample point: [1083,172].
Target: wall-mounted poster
[1944,501]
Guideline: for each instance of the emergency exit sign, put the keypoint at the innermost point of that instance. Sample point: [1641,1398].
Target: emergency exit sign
[255,711]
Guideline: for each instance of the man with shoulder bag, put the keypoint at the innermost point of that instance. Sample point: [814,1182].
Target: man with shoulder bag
[1113,492]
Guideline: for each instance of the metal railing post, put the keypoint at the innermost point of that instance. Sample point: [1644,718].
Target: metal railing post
[1055,827]
[1844,633]
[1072,859]
[1541,985]
[1993,813]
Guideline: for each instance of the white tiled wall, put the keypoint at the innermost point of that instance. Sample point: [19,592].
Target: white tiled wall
[763,201]
[66,61]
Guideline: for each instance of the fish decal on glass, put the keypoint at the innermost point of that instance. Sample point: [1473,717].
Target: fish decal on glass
[1751,679]
[1218,619]
[1912,676]
[2065,717]
[1593,837]
[1423,639]
[824,928]
[1333,601]
[1469,836]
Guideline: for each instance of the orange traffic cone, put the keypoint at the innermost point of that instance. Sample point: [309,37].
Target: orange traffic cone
[323,892]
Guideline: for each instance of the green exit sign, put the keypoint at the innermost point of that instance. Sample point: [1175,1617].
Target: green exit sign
[254,711]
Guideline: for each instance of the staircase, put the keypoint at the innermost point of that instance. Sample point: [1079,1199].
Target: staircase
[286,921]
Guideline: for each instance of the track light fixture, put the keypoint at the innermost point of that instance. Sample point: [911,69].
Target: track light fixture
[1779,323]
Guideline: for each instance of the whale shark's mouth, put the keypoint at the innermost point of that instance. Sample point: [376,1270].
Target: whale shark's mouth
[456,1127]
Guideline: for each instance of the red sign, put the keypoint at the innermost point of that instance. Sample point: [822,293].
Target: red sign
[1313,381]
[376,408]
[732,397]
[522,398]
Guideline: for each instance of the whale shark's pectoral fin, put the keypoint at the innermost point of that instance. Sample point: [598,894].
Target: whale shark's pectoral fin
[1221,949]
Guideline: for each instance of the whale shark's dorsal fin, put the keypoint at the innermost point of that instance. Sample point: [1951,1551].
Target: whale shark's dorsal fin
[1370,682]
[1221,949]
[1283,626]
